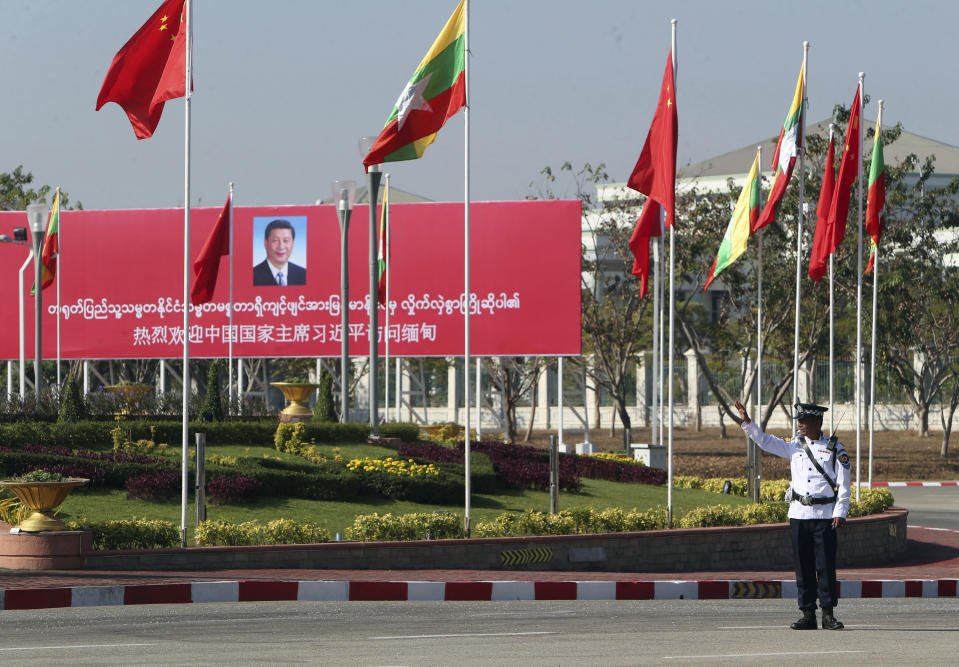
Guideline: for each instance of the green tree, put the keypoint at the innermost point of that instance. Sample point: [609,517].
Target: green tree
[918,320]
[212,407]
[325,409]
[73,406]
[16,195]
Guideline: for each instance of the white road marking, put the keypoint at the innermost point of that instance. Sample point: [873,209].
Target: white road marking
[755,655]
[54,648]
[778,627]
[477,634]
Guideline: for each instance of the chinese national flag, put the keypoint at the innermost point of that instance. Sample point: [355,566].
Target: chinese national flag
[839,206]
[823,236]
[655,172]
[647,226]
[207,264]
[150,69]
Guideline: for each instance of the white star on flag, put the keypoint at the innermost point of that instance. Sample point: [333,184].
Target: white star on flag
[411,99]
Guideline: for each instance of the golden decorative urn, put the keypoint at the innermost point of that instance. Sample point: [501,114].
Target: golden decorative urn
[130,395]
[42,498]
[295,393]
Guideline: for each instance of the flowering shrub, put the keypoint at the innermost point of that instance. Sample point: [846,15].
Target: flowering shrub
[619,458]
[160,485]
[130,533]
[408,468]
[769,490]
[871,501]
[141,446]
[278,531]
[577,520]
[232,490]
[218,460]
[414,526]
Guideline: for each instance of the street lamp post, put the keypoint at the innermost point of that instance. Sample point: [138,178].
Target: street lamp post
[21,236]
[374,175]
[36,215]
[344,193]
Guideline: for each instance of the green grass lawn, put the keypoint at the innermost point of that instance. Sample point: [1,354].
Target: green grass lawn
[104,504]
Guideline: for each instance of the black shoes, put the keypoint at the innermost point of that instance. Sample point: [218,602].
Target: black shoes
[829,621]
[808,621]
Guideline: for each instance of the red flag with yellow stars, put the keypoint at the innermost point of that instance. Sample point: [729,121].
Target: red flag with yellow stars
[150,69]
[655,172]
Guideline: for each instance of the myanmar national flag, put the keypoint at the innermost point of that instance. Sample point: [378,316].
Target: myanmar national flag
[737,233]
[381,250]
[876,199]
[51,246]
[784,157]
[435,92]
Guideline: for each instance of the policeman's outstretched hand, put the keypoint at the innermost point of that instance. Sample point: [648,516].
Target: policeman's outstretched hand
[742,412]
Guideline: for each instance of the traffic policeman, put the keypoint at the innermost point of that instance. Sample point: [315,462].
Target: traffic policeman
[818,504]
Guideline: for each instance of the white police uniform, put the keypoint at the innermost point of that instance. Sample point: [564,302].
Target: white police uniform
[807,482]
[815,503]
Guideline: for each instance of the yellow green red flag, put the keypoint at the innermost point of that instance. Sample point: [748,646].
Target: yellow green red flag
[737,232]
[435,92]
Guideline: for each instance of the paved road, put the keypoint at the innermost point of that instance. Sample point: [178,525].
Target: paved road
[929,506]
[531,633]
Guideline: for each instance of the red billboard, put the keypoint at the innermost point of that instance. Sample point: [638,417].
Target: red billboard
[121,283]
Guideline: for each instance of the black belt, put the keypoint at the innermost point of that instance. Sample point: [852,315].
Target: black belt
[808,500]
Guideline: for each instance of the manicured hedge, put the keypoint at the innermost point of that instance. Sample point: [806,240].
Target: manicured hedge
[405,431]
[97,434]
[130,534]
[333,481]
[278,531]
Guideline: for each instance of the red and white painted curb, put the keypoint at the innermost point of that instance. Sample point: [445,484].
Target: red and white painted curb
[886,484]
[343,591]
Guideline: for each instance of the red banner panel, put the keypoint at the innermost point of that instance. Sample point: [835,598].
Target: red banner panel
[121,283]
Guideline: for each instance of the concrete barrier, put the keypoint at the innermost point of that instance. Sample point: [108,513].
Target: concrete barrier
[865,541]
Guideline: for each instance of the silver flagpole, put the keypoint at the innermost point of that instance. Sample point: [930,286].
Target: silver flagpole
[859,401]
[230,346]
[672,310]
[757,466]
[799,222]
[386,314]
[184,497]
[875,302]
[661,333]
[832,320]
[59,271]
[466,273]
[657,390]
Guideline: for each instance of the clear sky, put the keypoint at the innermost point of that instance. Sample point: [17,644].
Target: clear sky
[284,89]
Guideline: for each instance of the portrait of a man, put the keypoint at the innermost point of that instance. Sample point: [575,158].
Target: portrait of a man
[279,237]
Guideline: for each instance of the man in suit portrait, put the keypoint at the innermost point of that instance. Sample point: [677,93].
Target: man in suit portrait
[277,269]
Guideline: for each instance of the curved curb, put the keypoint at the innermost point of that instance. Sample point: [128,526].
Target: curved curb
[359,590]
